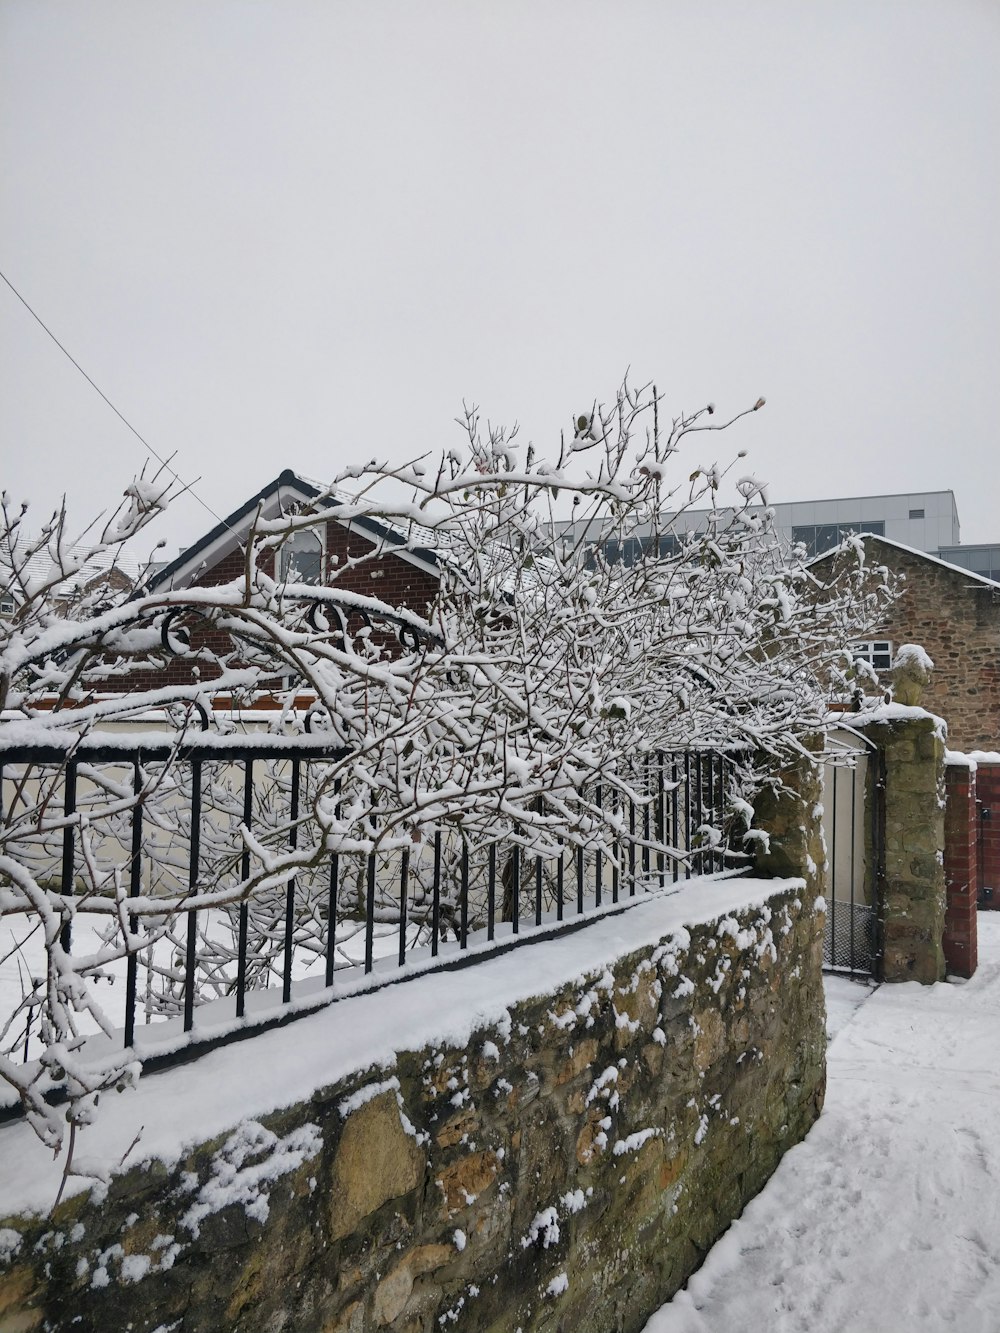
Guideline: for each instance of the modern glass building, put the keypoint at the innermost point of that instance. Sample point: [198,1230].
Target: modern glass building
[983,560]
[925,520]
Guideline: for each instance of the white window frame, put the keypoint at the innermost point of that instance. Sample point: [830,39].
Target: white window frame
[876,652]
[286,551]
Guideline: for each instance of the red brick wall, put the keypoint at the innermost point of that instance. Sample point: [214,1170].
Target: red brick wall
[988,791]
[960,870]
[386,577]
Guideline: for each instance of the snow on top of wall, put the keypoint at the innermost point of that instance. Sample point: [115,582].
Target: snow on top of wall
[174,1111]
[956,759]
[891,712]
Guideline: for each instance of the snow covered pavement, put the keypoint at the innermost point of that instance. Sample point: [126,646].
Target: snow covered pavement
[888,1216]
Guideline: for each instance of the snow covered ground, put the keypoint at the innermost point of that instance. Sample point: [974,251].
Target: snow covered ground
[888,1216]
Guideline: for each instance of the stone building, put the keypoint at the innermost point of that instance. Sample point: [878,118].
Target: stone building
[954,614]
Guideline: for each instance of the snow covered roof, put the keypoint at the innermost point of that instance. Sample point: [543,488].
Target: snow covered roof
[277,496]
[867,537]
[81,567]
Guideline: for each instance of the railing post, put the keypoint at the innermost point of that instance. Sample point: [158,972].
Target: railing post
[194,854]
[370,914]
[491,891]
[404,875]
[560,881]
[598,854]
[68,849]
[515,865]
[646,824]
[464,904]
[241,946]
[538,872]
[332,895]
[293,842]
[135,883]
[616,864]
[436,896]
[631,847]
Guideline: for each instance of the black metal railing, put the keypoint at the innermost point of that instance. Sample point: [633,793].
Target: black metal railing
[111,822]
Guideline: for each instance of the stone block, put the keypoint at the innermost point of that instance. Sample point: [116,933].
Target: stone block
[581,1057]
[393,1292]
[376,1161]
[463,1181]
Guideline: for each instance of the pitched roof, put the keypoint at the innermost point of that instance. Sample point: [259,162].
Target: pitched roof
[911,550]
[291,487]
[80,567]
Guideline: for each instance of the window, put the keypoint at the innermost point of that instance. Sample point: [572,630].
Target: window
[628,552]
[6,606]
[820,537]
[669,545]
[916,513]
[876,652]
[300,559]
[633,550]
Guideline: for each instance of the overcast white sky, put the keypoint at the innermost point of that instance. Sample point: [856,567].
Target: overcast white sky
[297,234]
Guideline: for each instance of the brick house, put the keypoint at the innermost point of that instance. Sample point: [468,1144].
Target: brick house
[954,615]
[102,575]
[392,569]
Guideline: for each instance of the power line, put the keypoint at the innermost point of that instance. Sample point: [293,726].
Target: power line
[145,443]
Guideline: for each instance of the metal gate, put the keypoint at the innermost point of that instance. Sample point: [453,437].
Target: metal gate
[854,826]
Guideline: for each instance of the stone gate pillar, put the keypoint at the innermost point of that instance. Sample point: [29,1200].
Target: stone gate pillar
[791,816]
[913,893]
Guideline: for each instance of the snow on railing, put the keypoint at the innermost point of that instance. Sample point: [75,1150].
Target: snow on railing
[205,878]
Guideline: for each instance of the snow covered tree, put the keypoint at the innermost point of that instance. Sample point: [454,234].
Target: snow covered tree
[520,712]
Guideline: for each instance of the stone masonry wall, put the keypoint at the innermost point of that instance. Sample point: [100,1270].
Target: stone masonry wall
[913,894]
[790,812]
[957,621]
[565,1170]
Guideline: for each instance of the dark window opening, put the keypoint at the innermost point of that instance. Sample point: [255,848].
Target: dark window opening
[876,652]
[820,537]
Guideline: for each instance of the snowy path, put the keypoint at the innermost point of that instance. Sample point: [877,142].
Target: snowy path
[888,1216]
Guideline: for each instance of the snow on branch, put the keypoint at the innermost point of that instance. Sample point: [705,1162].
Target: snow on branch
[580,625]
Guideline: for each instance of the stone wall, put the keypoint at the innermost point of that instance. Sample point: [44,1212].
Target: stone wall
[789,811]
[913,895]
[566,1168]
[956,619]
